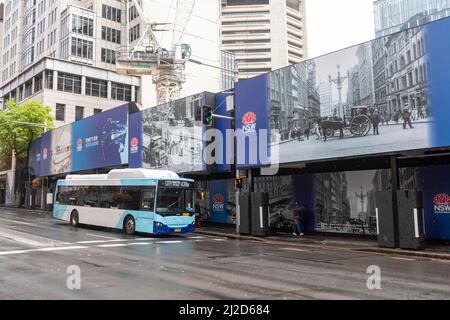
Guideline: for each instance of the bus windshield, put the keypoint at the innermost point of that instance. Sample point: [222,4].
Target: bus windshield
[172,201]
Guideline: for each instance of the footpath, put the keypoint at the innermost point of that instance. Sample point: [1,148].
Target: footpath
[433,250]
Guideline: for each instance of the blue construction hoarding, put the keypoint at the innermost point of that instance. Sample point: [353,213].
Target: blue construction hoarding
[99,141]
[381,97]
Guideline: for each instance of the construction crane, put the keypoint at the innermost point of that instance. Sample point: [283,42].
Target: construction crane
[147,57]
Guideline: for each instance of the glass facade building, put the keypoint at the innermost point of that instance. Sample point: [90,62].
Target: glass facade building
[395,15]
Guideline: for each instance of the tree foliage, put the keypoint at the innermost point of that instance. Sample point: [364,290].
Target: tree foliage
[19,136]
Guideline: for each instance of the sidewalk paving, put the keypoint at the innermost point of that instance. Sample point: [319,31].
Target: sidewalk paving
[341,242]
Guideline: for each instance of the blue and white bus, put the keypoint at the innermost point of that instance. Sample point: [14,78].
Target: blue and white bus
[135,200]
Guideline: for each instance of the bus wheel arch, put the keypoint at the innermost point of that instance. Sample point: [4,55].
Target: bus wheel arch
[129,225]
[74,218]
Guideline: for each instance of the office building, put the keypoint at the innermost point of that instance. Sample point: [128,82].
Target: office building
[264,35]
[62,53]
[396,15]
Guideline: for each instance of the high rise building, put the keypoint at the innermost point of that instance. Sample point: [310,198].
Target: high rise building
[62,53]
[264,35]
[396,15]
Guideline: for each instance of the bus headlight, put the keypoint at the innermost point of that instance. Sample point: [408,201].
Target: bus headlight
[158,224]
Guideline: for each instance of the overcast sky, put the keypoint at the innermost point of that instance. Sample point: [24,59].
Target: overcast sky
[337,24]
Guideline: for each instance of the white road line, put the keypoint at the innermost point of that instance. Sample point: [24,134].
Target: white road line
[169,242]
[139,244]
[5,253]
[28,239]
[403,259]
[104,237]
[111,245]
[18,222]
[197,237]
[219,239]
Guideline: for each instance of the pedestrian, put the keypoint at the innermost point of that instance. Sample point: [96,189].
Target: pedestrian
[307,131]
[376,122]
[299,214]
[415,114]
[406,115]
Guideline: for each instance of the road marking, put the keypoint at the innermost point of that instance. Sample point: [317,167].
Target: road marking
[28,239]
[197,237]
[5,253]
[104,237]
[403,259]
[169,241]
[18,222]
[293,249]
[139,244]
[111,245]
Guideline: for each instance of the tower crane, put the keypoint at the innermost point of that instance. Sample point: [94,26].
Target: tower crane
[146,56]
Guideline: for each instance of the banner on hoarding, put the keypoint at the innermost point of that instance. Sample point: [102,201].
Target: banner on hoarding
[373,98]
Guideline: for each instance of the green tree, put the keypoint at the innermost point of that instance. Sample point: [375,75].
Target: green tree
[18,137]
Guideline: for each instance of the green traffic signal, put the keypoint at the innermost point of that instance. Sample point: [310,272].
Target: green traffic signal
[207,116]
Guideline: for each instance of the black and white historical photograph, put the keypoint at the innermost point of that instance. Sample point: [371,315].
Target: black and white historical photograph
[365,99]
[172,136]
[345,201]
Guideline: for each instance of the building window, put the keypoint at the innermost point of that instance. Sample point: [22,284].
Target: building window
[49,79]
[83,25]
[111,13]
[120,92]
[97,111]
[96,88]
[60,112]
[69,83]
[135,33]
[110,34]
[38,83]
[108,56]
[82,48]
[133,13]
[79,113]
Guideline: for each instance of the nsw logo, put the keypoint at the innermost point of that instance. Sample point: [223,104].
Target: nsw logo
[441,203]
[79,144]
[218,202]
[134,145]
[249,122]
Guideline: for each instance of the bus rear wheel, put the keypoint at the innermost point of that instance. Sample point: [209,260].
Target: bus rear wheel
[129,226]
[74,218]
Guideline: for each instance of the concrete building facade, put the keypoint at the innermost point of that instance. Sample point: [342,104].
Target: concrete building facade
[264,35]
[396,15]
[62,53]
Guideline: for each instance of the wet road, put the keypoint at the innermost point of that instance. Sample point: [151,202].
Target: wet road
[36,251]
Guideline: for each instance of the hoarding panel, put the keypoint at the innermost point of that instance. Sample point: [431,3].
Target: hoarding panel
[379,97]
[251,119]
[101,141]
[135,140]
[172,135]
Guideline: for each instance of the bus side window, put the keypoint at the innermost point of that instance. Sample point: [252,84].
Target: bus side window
[147,199]
[128,198]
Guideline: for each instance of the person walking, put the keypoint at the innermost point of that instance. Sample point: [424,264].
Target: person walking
[299,213]
[406,115]
[376,119]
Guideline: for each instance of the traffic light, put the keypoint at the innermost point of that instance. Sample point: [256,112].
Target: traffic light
[238,183]
[207,116]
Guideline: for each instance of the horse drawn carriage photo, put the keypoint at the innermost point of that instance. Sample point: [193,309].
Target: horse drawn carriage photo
[358,125]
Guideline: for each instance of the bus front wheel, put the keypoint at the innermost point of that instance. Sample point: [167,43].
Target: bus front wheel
[129,226]
[74,218]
